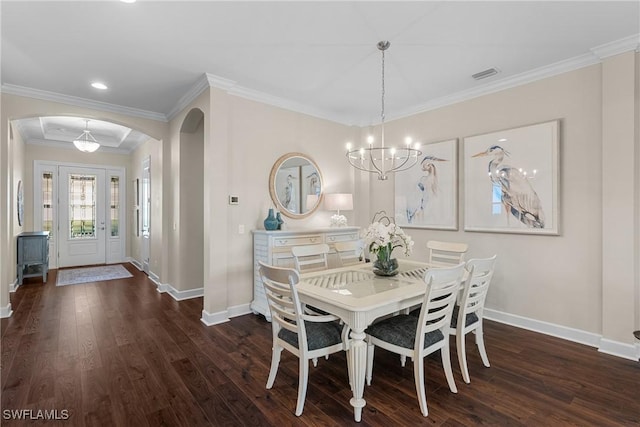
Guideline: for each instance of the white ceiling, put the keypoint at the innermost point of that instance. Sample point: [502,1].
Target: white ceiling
[316,57]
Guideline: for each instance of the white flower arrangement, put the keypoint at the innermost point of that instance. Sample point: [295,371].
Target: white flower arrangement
[382,238]
[338,221]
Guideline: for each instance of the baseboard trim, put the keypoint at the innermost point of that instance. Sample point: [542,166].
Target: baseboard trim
[614,348]
[620,349]
[6,311]
[575,335]
[135,263]
[239,310]
[155,279]
[211,319]
[183,295]
[14,286]
[175,294]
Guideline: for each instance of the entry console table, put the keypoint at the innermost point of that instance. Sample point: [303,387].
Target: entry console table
[33,255]
[274,248]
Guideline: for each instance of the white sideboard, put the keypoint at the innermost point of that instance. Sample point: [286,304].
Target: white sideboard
[274,248]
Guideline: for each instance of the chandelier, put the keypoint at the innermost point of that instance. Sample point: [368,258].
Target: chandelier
[382,159]
[86,142]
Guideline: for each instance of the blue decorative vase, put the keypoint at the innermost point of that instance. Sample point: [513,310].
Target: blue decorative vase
[280,221]
[270,222]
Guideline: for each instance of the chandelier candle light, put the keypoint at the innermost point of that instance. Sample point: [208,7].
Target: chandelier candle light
[383,160]
[86,142]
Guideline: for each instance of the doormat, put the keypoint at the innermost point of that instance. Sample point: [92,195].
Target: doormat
[76,276]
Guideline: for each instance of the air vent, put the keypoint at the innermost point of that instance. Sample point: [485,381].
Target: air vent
[486,73]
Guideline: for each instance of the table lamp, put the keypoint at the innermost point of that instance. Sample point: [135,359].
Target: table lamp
[338,202]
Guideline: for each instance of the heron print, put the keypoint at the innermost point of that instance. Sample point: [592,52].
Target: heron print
[426,188]
[517,195]
[426,194]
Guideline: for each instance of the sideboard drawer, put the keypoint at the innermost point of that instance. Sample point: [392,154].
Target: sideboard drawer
[290,241]
[343,237]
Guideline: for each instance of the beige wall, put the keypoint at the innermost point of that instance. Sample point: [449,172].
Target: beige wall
[621,193]
[242,140]
[258,135]
[192,205]
[17,155]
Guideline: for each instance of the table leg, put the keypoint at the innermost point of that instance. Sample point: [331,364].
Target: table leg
[357,364]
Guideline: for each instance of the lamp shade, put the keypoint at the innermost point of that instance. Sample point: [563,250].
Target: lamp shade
[338,202]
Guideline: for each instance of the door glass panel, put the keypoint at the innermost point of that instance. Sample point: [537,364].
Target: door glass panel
[114,205]
[47,203]
[146,206]
[82,206]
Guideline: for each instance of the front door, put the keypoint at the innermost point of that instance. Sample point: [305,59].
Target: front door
[82,230]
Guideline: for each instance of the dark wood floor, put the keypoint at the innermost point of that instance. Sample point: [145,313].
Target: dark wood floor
[118,353]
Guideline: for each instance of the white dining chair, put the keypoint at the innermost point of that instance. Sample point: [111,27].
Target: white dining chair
[419,336]
[305,336]
[350,253]
[467,315]
[446,254]
[309,258]
[441,254]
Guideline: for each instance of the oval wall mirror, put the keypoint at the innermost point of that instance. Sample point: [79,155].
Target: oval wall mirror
[295,185]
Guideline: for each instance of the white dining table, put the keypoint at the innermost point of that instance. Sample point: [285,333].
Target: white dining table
[358,297]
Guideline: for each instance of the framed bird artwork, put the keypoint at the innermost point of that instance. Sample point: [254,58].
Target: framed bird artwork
[426,195]
[511,180]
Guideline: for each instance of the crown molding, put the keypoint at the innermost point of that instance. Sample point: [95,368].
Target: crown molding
[208,80]
[286,104]
[616,47]
[596,56]
[204,82]
[219,82]
[80,102]
[69,146]
[500,85]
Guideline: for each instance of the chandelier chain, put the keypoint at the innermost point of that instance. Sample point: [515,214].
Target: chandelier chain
[382,112]
[383,160]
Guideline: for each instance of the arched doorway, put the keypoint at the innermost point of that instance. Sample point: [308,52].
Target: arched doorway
[191,201]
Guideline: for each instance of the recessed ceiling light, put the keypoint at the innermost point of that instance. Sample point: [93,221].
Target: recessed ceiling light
[99,85]
[128,1]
